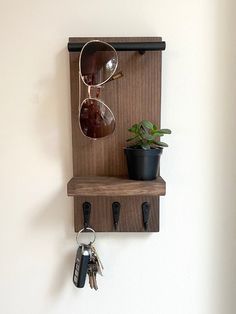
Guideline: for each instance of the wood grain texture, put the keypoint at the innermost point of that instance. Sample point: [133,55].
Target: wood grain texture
[132,98]
[114,186]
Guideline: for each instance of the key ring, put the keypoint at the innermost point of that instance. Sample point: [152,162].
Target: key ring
[84,229]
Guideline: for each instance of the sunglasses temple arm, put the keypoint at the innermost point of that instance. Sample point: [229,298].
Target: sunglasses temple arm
[116,76]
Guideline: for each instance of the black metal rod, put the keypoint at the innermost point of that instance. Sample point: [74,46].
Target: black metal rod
[140,46]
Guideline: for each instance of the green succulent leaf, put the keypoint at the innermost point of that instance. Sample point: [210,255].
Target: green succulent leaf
[165,131]
[145,146]
[147,124]
[131,139]
[145,135]
[148,137]
[134,128]
[157,133]
[162,144]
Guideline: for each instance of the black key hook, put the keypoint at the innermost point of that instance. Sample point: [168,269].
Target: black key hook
[86,213]
[116,213]
[145,211]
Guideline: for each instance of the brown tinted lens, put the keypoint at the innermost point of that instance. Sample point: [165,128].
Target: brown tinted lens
[98,62]
[96,119]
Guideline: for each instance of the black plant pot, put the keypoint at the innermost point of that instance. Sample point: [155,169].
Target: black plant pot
[143,164]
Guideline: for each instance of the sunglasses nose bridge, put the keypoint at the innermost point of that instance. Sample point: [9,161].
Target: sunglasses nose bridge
[89,91]
[92,90]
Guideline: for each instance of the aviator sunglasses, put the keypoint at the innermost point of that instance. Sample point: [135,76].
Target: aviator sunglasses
[98,62]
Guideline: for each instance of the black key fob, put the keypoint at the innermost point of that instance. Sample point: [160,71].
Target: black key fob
[81,266]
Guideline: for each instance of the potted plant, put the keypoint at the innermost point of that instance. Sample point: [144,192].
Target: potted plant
[143,153]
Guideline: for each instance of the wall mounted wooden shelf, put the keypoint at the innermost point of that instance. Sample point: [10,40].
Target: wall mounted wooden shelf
[99,167]
[114,186]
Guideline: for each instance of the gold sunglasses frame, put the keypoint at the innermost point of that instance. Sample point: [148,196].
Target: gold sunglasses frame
[113,76]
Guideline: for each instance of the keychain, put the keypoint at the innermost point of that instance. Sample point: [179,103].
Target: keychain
[87,261]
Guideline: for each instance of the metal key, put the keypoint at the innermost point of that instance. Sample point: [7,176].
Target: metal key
[97,260]
[93,268]
[90,274]
[94,274]
[90,267]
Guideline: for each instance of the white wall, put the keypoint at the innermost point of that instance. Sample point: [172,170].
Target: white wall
[189,267]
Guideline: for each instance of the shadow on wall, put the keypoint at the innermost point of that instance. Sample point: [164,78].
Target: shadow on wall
[53,123]
[53,120]
[50,218]
[225,152]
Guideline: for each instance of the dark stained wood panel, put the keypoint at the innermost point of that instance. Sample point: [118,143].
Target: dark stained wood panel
[114,186]
[134,97]
[101,218]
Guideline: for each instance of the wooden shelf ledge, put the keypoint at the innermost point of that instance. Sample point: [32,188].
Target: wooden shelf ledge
[114,186]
